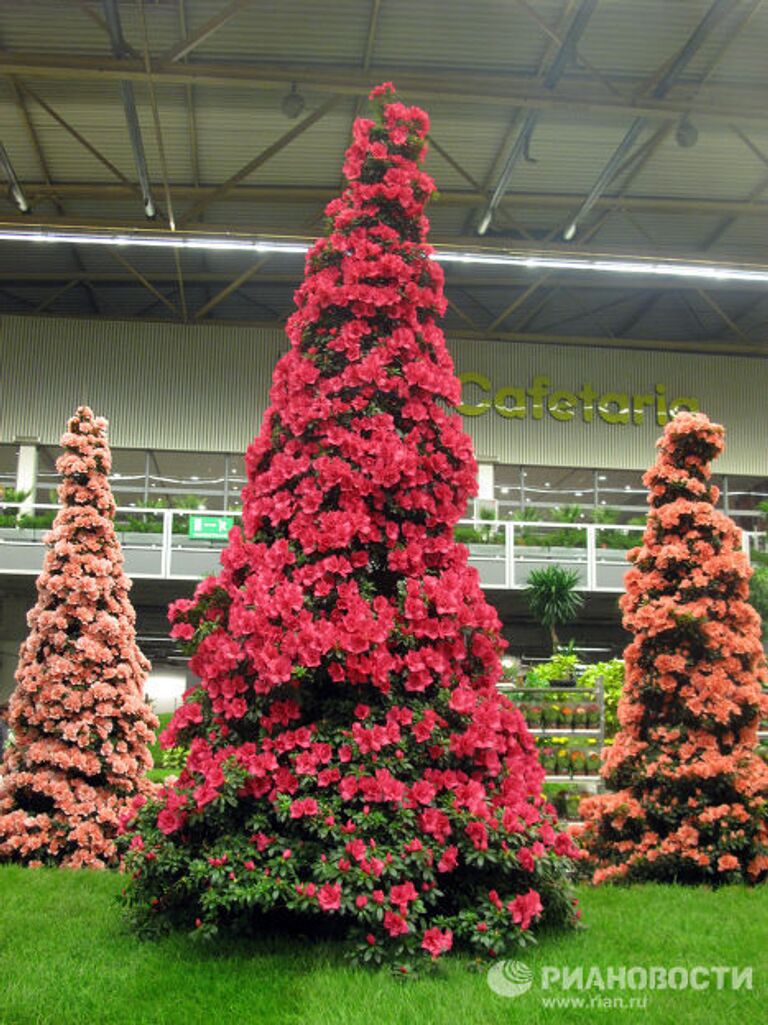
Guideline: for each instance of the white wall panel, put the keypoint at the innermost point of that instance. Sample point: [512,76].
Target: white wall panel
[204,388]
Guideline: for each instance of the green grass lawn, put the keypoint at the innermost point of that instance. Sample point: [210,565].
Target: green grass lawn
[66,959]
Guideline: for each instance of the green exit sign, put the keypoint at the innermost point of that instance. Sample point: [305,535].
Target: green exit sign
[210,527]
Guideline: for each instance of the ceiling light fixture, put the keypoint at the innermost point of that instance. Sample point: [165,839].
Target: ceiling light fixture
[292,103]
[603,264]
[686,133]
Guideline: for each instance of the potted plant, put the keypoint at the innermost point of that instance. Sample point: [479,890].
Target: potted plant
[553,598]
[549,760]
[533,716]
[593,715]
[548,716]
[573,801]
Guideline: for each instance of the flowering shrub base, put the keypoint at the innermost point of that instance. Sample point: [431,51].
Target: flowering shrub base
[350,755]
[691,792]
[80,723]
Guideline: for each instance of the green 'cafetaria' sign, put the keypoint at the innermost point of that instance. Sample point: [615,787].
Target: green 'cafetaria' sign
[479,396]
[210,528]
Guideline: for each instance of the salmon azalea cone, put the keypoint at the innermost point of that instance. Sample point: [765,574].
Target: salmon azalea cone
[690,792]
[351,761]
[80,723]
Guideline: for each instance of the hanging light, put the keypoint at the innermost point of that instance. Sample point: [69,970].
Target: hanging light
[293,103]
[686,133]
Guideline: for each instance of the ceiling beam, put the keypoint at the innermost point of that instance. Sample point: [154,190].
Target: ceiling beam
[190,103]
[722,314]
[233,286]
[144,281]
[519,301]
[78,137]
[637,160]
[53,296]
[34,138]
[521,146]
[650,298]
[215,194]
[161,151]
[755,193]
[197,38]
[560,40]
[666,78]
[500,89]
[98,20]
[237,192]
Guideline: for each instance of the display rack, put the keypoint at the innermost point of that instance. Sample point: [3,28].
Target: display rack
[597,692]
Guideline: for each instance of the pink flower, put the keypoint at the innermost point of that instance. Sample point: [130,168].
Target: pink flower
[401,895]
[462,700]
[168,821]
[525,859]
[436,942]
[395,924]
[305,806]
[449,859]
[524,908]
[423,792]
[478,834]
[329,897]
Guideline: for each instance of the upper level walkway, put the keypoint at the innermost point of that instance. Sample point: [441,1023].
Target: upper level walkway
[175,544]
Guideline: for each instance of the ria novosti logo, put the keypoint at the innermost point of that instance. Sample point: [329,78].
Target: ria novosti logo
[510,978]
[513,978]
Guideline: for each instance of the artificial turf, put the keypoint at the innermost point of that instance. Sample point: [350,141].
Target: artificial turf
[67,959]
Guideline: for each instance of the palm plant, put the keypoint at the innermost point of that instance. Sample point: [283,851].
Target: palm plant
[553,599]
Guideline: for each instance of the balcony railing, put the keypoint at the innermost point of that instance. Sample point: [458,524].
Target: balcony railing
[157,546]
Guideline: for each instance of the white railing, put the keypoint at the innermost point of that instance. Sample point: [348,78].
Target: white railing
[157,545]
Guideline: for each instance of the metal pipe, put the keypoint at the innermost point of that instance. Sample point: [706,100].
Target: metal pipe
[120,49]
[14,185]
[523,140]
[714,15]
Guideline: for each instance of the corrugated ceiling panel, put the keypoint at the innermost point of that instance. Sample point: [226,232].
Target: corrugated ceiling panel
[286,30]
[501,36]
[569,153]
[629,38]
[234,126]
[719,166]
[97,114]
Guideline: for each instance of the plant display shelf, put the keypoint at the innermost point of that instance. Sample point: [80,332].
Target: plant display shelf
[563,731]
[555,693]
[572,779]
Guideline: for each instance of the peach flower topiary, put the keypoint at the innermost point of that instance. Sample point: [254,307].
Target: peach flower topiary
[690,792]
[80,722]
